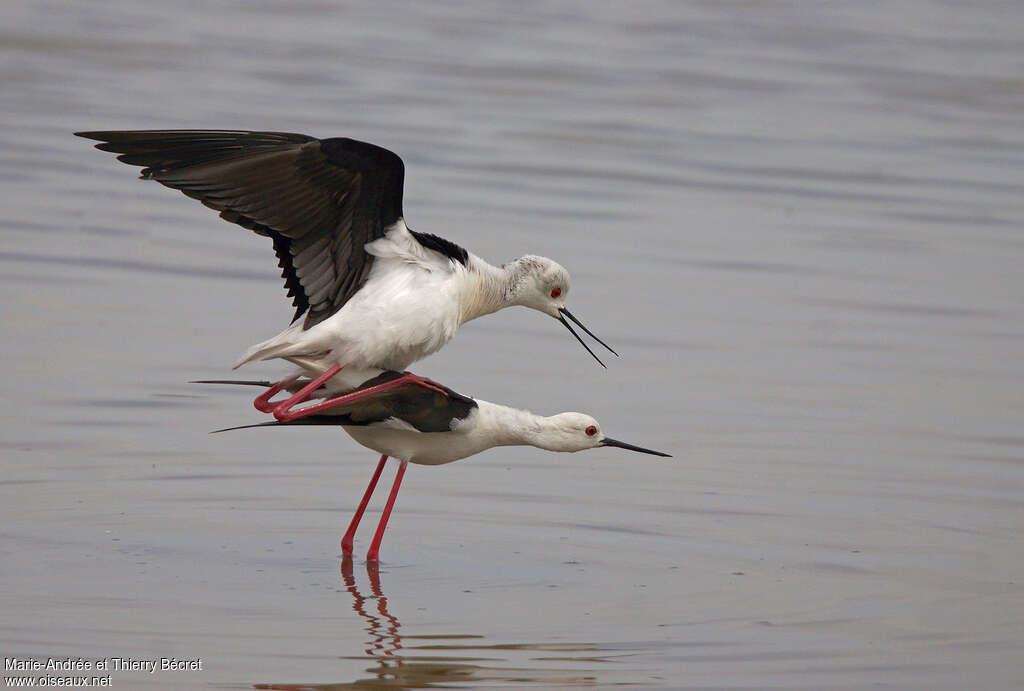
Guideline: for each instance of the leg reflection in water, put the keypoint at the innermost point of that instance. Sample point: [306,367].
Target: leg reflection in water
[444,660]
[383,627]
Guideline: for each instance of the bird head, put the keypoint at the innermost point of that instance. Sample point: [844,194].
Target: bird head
[540,284]
[577,432]
[543,284]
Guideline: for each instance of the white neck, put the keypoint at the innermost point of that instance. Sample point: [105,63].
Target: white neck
[487,288]
[504,426]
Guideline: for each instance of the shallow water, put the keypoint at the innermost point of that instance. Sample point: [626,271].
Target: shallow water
[798,223]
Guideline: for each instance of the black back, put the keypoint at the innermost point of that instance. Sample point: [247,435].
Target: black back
[424,409]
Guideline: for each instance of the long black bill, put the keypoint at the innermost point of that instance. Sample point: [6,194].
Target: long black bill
[623,445]
[566,324]
[590,333]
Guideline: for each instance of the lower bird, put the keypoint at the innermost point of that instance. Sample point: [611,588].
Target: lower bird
[375,294]
[433,426]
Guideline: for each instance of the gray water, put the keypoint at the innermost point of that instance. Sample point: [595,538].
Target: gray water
[799,223]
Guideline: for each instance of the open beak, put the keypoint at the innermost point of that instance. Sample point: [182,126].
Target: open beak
[623,445]
[563,313]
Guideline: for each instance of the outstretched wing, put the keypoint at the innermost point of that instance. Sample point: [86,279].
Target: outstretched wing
[320,201]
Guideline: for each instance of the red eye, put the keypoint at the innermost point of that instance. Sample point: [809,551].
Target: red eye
[591,431]
[556,292]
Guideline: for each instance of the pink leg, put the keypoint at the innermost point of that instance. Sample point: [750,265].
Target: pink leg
[305,392]
[350,534]
[284,413]
[374,553]
[262,401]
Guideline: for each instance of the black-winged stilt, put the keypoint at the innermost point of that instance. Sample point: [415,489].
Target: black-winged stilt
[375,294]
[428,426]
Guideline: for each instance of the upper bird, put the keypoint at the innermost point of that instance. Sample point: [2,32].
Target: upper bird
[375,294]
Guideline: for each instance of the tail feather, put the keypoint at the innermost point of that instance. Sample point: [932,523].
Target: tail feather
[292,342]
[244,382]
[262,351]
[258,424]
[294,386]
[321,420]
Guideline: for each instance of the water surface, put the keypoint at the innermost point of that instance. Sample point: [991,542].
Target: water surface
[799,223]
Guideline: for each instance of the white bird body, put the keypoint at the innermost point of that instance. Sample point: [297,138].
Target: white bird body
[411,305]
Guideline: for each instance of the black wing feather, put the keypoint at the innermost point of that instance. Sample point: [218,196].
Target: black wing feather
[424,409]
[320,201]
[445,247]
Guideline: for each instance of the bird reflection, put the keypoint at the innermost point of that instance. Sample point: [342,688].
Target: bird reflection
[383,627]
[439,661]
